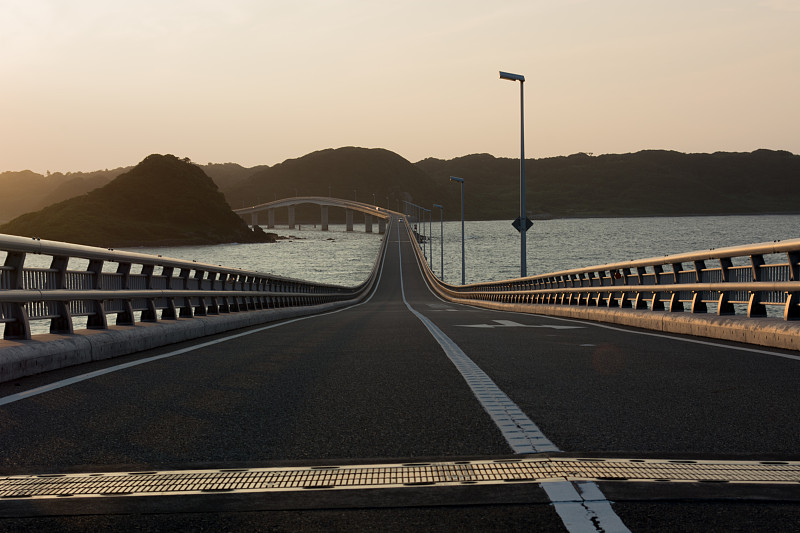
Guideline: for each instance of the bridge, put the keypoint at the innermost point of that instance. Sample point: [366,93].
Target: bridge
[369,211]
[403,403]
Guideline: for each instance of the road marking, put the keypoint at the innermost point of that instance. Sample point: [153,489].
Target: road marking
[591,513]
[585,511]
[658,335]
[614,328]
[519,431]
[512,324]
[97,373]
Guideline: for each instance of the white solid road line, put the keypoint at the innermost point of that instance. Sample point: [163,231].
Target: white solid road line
[97,373]
[587,512]
[519,431]
[615,328]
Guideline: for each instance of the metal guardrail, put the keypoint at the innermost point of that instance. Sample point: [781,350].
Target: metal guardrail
[141,283]
[756,276]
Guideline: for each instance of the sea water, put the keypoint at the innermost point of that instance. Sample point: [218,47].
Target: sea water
[492,248]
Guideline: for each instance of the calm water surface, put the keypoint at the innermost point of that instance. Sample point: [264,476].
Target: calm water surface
[492,248]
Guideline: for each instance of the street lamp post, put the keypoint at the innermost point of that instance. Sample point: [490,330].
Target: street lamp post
[523,216]
[430,233]
[428,212]
[441,237]
[461,181]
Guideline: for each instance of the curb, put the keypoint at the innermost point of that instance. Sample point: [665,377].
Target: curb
[21,358]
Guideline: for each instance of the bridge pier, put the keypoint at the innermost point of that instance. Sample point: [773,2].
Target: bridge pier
[324,217]
[349,219]
[367,223]
[254,219]
[270,218]
[381,226]
[291,217]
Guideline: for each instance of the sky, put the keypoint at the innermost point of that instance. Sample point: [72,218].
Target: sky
[95,84]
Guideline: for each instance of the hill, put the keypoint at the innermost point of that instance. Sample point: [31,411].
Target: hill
[228,175]
[350,172]
[646,183]
[28,191]
[161,201]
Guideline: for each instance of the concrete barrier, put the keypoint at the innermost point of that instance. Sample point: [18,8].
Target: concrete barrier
[42,353]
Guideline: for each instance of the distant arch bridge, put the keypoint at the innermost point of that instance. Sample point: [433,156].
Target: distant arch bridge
[350,206]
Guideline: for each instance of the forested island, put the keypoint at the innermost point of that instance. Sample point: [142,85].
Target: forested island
[161,201]
[168,200]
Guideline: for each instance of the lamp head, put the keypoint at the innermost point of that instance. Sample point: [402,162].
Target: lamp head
[511,77]
[453,178]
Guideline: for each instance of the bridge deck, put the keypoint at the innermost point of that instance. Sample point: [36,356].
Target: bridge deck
[405,377]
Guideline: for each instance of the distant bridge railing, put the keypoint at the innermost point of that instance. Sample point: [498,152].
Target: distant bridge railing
[156,287]
[756,276]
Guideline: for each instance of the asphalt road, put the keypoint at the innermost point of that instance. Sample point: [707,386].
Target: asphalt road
[371,384]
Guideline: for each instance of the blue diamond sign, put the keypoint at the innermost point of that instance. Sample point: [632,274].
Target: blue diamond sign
[518,225]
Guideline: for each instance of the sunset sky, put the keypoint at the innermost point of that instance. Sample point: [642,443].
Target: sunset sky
[91,84]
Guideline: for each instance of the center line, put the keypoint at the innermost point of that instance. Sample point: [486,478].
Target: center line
[587,511]
[519,431]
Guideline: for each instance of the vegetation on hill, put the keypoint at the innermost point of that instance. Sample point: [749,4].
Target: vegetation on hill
[166,200]
[647,183]
[28,191]
[228,175]
[351,173]
[161,201]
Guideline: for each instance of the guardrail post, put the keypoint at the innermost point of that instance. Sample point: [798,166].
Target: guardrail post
[699,266]
[698,305]
[147,272]
[724,264]
[754,307]
[792,309]
[757,261]
[675,305]
[724,307]
[655,303]
[169,312]
[97,320]
[186,310]
[676,272]
[20,328]
[657,270]
[202,308]
[62,324]
[125,317]
[213,309]
[794,265]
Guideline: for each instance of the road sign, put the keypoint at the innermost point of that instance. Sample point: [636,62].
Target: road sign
[517,225]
